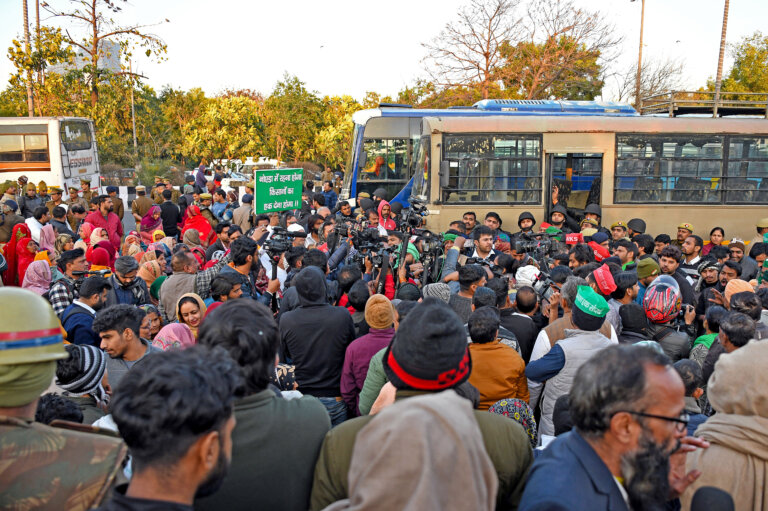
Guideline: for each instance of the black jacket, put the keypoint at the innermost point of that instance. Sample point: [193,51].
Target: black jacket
[524,328]
[675,343]
[315,336]
[171,216]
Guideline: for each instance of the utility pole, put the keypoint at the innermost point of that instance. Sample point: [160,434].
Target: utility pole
[41,77]
[30,98]
[133,118]
[639,58]
[719,77]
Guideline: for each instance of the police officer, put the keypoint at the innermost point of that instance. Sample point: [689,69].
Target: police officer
[117,202]
[88,194]
[48,466]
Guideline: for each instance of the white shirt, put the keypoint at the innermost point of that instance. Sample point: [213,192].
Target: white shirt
[84,306]
[34,227]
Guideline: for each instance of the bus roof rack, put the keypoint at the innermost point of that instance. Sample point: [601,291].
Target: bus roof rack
[555,106]
[394,105]
[674,103]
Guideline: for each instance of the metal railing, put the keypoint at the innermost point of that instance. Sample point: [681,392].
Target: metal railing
[676,103]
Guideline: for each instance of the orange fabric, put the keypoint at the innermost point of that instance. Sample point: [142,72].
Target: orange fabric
[498,372]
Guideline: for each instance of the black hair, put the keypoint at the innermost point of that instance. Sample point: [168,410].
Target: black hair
[599,391]
[233,229]
[261,218]
[697,241]
[119,318]
[404,308]
[662,238]
[738,327]
[358,295]
[500,286]
[470,274]
[242,248]
[222,285]
[319,198]
[221,193]
[561,415]
[248,331]
[77,209]
[644,241]
[294,255]
[483,325]
[757,249]
[59,212]
[167,194]
[316,258]
[167,383]
[409,292]
[219,228]
[671,252]
[625,280]
[69,369]
[493,214]
[722,231]
[561,258]
[747,303]
[94,286]
[559,274]
[484,297]
[68,256]
[715,315]
[40,212]
[507,262]
[343,203]
[762,293]
[311,221]
[584,270]
[52,407]
[582,253]
[481,230]
[630,246]
[526,299]
[719,252]
[99,200]
[691,374]
[732,265]
[470,213]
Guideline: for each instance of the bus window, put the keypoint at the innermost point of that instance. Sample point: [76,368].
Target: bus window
[11,148]
[36,148]
[24,148]
[747,179]
[668,168]
[499,168]
[384,164]
[576,179]
[75,135]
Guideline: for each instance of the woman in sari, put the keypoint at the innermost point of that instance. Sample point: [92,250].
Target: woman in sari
[19,232]
[150,223]
[26,250]
[106,245]
[38,278]
[192,238]
[85,231]
[190,309]
[99,259]
[152,322]
[174,335]
[62,244]
[48,238]
[197,222]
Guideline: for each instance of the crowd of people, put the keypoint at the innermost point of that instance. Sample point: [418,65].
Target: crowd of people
[337,357]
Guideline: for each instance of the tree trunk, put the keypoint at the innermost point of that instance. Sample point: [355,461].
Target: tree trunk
[30,98]
[94,56]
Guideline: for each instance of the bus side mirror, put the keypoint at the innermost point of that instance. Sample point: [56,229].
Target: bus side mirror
[445,171]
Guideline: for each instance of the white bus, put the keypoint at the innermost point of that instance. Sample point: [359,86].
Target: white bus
[58,150]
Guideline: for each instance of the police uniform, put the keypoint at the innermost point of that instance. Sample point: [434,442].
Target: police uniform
[64,466]
[51,204]
[141,204]
[74,199]
[119,209]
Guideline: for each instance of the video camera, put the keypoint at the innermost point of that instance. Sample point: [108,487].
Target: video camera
[280,241]
[413,216]
[497,271]
[529,243]
[367,239]
[89,273]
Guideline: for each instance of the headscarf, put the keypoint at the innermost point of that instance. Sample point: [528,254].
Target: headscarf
[519,411]
[201,306]
[86,230]
[131,246]
[43,255]
[61,240]
[154,289]
[106,245]
[192,238]
[100,258]
[82,245]
[169,243]
[430,449]
[158,235]
[148,222]
[38,277]
[148,256]
[23,257]
[19,232]
[48,238]
[196,221]
[174,335]
[149,271]
[96,235]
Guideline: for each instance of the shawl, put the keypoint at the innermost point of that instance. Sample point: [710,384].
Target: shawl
[24,257]
[38,277]
[192,238]
[97,236]
[20,231]
[174,335]
[430,449]
[148,256]
[201,306]
[106,245]
[168,242]
[48,238]
[100,257]
[82,245]
[131,245]
[197,222]
[149,271]
[148,222]
[85,231]
[154,290]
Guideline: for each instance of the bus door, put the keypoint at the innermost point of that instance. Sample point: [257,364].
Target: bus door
[575,180]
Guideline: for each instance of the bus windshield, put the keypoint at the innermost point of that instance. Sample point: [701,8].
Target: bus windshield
[421,158]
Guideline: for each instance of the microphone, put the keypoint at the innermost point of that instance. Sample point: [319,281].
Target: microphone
[709,498]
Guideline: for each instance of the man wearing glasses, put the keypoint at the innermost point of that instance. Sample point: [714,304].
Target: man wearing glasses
[628,446]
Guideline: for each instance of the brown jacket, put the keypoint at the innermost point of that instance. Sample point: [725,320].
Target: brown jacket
[141,205]
[119,207]
[498,372]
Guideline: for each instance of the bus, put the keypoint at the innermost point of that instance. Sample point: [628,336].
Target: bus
[58,150]
[383,140]
[704,171]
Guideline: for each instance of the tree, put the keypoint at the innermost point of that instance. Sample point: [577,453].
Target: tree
[563,54]
[750,67]
[228,127]
[95,16]
[656,77]
[333,140]
[466,52]
[180,109]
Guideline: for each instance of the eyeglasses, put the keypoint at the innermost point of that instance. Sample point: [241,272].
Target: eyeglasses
[681,421]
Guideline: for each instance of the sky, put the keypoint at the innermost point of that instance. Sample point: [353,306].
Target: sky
[349,47]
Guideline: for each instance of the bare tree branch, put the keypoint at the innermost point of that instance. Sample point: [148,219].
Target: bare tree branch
[655,77]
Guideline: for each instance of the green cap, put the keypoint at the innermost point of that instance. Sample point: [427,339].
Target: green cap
[589,302]
[647,267]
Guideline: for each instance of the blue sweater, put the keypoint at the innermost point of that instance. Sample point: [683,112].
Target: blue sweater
[79,326]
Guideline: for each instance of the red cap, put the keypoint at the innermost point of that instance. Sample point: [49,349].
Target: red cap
[574,238]
[604,280]
[600,251]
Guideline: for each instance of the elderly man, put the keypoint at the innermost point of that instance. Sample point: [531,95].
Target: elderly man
[628,411]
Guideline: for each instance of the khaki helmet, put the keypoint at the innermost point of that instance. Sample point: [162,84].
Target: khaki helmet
[23,341]
[42,187]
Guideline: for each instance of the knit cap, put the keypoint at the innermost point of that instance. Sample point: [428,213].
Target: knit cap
[439,290]
[91,364]
[589,309]
[647,267]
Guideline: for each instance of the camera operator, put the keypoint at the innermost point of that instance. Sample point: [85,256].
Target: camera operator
[64,291]
[483,243]
[662,305]
[245,268]
[344,213]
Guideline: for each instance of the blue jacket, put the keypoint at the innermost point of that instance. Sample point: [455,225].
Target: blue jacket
[330,199]
[78,322]
[569,475]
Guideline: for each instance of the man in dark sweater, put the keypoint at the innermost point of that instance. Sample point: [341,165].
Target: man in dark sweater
[471,276]
[78,317]
[314,337]
[170,214]
[520,322]
[268,426]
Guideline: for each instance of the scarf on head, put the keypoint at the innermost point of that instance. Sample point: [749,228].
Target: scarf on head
[131,246]
[158,235]
[149,271]
[192,238]
[168,242]
[154,290]
[106,245]
[148,222]
[98,234]
[86,229]
[24,257]
[48,238]
[38,277]
[200,305]
[148,256]
[174,335]
[19,232]
[196,221]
